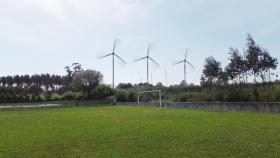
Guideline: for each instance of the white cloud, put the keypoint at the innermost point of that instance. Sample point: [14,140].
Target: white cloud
[26,19]
[54,7]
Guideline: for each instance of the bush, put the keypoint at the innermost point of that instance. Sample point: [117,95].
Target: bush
[55,97]
[121,95]
[39,98]
[69,95]
[36,98]
[79,96]
[146,97]
[183,97]
[132,96]
[101,92]
[26,98]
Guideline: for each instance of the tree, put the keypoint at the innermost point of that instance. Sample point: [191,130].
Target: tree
[121,95]
[236,66]
[183,83]
[71,71]
[77,68]
[68,71]
[132,96]
[10,81]
[124,85]
[253,52]
[159,85]
[101,92]
[222,79]
[87,80]
[211,72]
[266,64]
[260,62]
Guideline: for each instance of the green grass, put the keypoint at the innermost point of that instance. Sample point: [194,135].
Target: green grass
[121,131]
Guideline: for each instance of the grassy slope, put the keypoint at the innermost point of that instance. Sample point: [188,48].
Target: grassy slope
[133,132]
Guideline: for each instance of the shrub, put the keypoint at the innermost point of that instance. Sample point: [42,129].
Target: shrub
[69,95]
[26,98]
[132,96]
[146,97]
[183,97]
[101,92]
[121,95]
[55,97]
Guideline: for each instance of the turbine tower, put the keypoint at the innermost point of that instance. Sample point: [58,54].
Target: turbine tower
[147,60]
[165,78]
[185,63]
[113,60]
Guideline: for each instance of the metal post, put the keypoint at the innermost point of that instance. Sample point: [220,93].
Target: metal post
[113,70]
[147,70]
[160,99]
[165,78]
[138,100]
[185,72]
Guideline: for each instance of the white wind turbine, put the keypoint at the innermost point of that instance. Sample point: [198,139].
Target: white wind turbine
[113,60]
[148,58]
[185,64]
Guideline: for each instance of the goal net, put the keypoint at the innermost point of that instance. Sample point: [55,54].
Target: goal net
[146,92]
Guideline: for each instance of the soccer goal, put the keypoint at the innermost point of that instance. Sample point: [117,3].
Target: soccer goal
[153,91]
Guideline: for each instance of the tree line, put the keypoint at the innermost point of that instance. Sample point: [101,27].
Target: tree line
[76,84]
[255,64]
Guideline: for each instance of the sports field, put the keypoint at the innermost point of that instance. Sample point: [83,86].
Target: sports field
[123,131]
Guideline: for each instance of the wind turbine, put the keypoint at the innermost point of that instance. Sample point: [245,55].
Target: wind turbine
[148,58]
[113,60]
[185,63]
[165,78]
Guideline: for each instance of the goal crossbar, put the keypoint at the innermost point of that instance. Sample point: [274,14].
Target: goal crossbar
[159,93]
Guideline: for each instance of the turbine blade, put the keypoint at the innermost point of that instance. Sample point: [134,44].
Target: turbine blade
[190,64]
[114,46]
[149,47]
[179,62]
[140,59]
[104,56]
[154,61]
[186,54]
[120,58]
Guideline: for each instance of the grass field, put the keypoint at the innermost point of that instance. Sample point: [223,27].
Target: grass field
[121,131]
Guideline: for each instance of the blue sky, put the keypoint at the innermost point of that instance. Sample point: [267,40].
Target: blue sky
[43,36]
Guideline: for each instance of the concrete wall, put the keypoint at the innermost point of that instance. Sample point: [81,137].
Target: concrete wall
[242,106]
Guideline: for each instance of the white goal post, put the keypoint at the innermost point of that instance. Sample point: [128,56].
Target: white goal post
[159,94]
